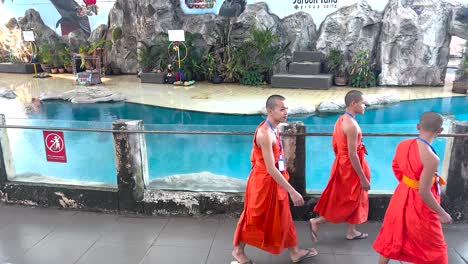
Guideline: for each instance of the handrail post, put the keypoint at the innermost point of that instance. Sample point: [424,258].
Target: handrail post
[295,155]
[457,178]
[131,164]
[6,160]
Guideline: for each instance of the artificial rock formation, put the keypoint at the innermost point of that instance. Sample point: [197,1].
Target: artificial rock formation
[43,34]
[154,17]
[7,93]
[351,29]
[409,42]
[300,32]
[85,95]
[415,42]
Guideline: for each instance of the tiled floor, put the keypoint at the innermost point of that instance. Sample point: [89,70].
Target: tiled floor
[204,96]
[42,235]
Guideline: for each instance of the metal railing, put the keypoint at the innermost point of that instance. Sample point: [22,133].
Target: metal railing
[215,132]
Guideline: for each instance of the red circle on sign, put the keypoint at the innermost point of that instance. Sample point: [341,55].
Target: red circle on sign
[54,142]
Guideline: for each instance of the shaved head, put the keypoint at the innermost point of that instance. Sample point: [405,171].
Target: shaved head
[352,96]
[430,122]
[271,101]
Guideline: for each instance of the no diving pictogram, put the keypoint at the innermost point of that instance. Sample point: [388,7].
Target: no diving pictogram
[54,142]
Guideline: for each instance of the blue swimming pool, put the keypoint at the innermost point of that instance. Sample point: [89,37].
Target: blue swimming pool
[204,162]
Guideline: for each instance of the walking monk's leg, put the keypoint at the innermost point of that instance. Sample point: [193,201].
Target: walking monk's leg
[383,260]
[239,253]
[314,226]
[352,233]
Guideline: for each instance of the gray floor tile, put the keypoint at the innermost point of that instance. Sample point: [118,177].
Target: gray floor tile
[186,232]
[175,255]
[134,232]
[454,257]
[17,246]
[60,251]
[342,259]
[361,247]
[225,235]
[220,256]
[121,253]
[321,258]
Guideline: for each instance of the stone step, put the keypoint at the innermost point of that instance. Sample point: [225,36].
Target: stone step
[285,80]
[308,56]
[305,68]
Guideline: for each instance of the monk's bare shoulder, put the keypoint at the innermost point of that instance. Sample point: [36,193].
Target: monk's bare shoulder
[350,126]
[264,136]
[428,158]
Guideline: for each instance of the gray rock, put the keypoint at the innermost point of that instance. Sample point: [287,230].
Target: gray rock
[205,25]
[85,95]
[371,100]
[43,34]
[380,99]
[351,29]
[256,15]
[300,31]
[415,42]
[459,22]
[76,39]
[332,106]
[140,21]
[97,34]
[7,93]
[295,110]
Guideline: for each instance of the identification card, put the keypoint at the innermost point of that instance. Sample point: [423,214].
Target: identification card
[281,166]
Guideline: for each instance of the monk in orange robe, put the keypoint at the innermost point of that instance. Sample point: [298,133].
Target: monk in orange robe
[345,197]
[416,200]
[266,222]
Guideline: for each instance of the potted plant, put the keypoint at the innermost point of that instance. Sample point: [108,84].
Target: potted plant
[360,71]
[151,59]
[264,52]
[212,72]
[45,57]
[336,66]
[460,84]
[67,60]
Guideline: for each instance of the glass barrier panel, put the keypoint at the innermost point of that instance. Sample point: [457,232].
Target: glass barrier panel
[89,155]
[199,162]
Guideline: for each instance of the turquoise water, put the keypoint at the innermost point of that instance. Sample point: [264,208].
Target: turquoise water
[91,156]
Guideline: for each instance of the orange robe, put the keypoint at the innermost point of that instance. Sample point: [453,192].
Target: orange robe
[411,231]
[266,221]
[343,200]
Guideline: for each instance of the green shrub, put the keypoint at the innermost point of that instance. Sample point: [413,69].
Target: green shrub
[45,54]
[361,74]
[117,34]
[335,60]
[251,77]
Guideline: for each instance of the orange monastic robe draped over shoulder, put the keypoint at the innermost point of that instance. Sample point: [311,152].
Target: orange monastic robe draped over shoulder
[411,231]
[343,200]
[266,221]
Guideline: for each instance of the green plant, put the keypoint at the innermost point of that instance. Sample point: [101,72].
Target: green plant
[361,74]
[335,59]
[462,71]
[66,57]
[45,54]
[117,34]
[251,77]
[211,66]
[198,67]
[194,55]
[100,44]
[154,56]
